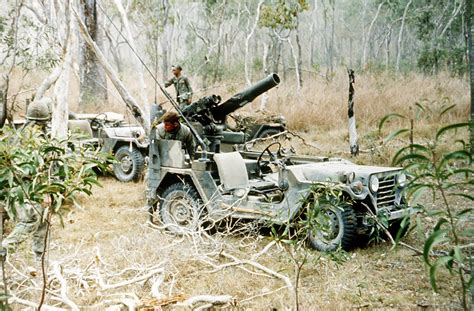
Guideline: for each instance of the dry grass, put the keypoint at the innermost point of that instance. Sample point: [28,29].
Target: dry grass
[113,225]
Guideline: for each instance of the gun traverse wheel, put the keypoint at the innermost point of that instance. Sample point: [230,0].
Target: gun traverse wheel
[335,226]
[129,164]
[180,208]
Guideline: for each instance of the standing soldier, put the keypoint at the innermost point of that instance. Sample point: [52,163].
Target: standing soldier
[184,92]
[30,215]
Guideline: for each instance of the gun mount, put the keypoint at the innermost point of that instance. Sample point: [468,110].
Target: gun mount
[210,113]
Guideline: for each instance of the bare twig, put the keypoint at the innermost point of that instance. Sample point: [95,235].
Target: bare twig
[208,299]
[64,288]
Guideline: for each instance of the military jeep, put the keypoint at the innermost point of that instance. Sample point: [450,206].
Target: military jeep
[267,186]
[126,142]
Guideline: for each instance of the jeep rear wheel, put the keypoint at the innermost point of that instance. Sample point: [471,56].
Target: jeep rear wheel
[333,227]
[129,164]
[181,208]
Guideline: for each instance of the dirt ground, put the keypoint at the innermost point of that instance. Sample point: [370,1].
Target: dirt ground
[107,241]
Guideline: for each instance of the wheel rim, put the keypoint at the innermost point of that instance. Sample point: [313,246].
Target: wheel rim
[329,226]
[126,164]
[181,211]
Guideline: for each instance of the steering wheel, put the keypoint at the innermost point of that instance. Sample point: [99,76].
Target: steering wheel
[263,164]
[97,123]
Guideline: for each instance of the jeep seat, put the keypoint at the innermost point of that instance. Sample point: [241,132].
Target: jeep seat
[80,127]
[233,174]
[232,170]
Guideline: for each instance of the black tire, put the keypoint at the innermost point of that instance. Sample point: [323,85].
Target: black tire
[181,208]
[268,132]
[398,228]
[130,164]
[340,230]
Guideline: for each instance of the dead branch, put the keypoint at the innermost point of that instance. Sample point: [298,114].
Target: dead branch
[260,267]
[208,299]
[64,288]
[264,250]
[144,277]
[24,302]
[262,294]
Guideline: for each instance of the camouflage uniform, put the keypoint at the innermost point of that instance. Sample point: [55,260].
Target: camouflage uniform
[30,215]
[183,134]
[30,223]
[184,92]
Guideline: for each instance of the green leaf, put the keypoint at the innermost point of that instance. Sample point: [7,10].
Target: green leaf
[440,222]
[388,117]
[447,109]
[468,232]
[435,238]
[442,261]
[455,155]
[412,157]
[449,128]
[394,134]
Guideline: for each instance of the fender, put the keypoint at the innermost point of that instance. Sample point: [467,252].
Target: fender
[112,137]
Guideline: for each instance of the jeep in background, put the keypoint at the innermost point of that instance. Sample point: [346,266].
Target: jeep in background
[128,143]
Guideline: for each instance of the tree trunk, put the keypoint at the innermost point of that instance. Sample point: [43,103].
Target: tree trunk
[388,40]
[135,109]
[470,33]
[3,109]
[367,37]
[93,84]
[136,61]
[299,62]
[331,53]
[61,89]
[165,66]
[264,100]
[296,62]
[247,43]
[400,36]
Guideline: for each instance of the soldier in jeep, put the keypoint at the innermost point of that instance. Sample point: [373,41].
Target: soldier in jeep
[172,129]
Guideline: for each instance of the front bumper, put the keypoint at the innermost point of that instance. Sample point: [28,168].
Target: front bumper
[401,213]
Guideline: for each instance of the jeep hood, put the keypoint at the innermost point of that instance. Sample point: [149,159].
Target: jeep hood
[332,171]
[129,131]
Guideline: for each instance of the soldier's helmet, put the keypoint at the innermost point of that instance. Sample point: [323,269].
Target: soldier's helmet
[39,110]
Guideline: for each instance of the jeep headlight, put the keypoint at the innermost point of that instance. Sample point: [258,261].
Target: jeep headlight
[402,179]
[374,183]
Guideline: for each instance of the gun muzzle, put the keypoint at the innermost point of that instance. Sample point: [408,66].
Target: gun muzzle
[241,99]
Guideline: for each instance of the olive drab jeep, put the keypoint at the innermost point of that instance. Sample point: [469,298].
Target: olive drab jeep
[127,142]
[267,186]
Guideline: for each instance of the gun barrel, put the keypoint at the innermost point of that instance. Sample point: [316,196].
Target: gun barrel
[246,96]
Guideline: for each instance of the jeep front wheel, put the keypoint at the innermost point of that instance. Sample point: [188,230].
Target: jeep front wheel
[181,208]
[129,165]
[333,227]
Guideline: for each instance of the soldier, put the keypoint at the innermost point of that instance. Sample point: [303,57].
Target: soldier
[30,215]
[184,92]
[172,129]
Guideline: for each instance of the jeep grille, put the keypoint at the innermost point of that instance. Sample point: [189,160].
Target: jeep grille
[386,193]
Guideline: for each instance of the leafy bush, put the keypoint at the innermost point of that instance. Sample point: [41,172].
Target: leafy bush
[442,167]
[33,166]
